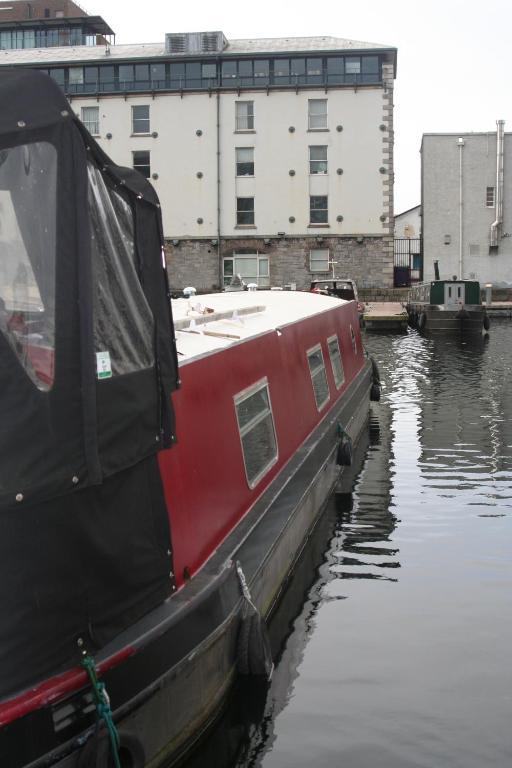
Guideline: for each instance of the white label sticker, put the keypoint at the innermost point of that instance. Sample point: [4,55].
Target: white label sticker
[103,366]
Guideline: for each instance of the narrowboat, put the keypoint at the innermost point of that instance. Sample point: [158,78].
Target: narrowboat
[161,464]
[447,306]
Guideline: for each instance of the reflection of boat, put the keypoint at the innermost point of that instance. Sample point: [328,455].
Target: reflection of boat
[447,306]
[152,569]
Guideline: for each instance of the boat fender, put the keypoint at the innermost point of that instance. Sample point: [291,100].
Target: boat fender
[254,654]
[375,393]
[462,314]
[345,453]
[375,371]
[97,751]
[487,322]
[422,319]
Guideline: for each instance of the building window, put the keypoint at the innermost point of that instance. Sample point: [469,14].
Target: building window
[252,268]
[319,260]
[318,159]
[489,197]
[317,114]
[336,361]
[318,209]
[244,115]
[257,431]
[140,119]
[245,211]
[141,163]
[91,119]
[318,376]
[244,161]
[76,79]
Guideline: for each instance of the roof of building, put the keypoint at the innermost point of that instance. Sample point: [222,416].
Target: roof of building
[409,210]
[262,46]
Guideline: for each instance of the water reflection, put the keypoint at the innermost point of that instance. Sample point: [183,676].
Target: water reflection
[393,641]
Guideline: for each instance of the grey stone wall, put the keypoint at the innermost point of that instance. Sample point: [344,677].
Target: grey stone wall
[368,260]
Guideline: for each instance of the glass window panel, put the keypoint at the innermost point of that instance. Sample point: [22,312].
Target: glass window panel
[298,66]
[140,119]
[317,113]
[90,79]
[28,223]
[142,73]
[318,209]
[209,71]
[257,433]
[193,74]
[123,322]
[29,38]
[58,76]
[261,68]
[229,72]
[141,163]
[91,119]
[244,115]
[157,73]
[318,159]
[245,68]
[76,75]
[177,75]
[245,210]
[370,64]
[353,65]
[319,260]
[263,267]
[336,361]
[5,40]
[126,76]
[318,377]
[244,161]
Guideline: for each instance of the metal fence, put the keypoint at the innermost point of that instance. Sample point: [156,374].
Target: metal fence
[408,261]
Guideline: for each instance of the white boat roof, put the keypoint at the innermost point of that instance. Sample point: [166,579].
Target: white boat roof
[211,322]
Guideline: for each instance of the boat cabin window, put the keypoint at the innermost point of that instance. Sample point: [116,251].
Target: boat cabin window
[336,361]
[318,376]
[123,321]
[28,217]
[257,431]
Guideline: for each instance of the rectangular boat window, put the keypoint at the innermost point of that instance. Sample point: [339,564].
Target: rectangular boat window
[318,376]
[28,216]
[336,361]
[257,431]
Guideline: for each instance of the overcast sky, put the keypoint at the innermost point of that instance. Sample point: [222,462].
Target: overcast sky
[454,56]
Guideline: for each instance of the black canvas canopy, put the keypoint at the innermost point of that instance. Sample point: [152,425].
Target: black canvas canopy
[87,367]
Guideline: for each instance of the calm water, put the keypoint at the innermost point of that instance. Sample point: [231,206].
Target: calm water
[395,639]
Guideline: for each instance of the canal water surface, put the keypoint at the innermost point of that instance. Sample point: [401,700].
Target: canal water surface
[394,641]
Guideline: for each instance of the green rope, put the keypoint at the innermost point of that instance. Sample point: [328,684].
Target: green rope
[102,702]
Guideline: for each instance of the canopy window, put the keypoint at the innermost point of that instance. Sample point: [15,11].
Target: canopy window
[123,322]
[28,213]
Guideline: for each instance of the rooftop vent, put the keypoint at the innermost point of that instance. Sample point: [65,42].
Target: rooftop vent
[195,42]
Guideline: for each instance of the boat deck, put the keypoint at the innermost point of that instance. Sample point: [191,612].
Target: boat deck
[207,323]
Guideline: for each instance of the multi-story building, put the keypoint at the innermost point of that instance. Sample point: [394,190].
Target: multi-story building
[272,158]
[466,205]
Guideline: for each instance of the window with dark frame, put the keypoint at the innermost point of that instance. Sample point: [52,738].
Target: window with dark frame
[244,211]
[490,197]
[257,431]
[318,160]
[244,161]
[141,162]
[318,211]
[140,119]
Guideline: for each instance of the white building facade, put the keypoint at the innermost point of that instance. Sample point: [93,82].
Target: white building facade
[272,158]
[466,191]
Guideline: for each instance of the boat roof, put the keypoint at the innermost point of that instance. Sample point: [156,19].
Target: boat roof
[208,323]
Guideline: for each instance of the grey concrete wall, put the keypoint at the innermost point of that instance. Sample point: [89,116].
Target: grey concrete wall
[440,207]
[368,260]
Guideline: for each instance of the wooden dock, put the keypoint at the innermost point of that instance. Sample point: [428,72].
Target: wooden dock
[388,316]
[499,308]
